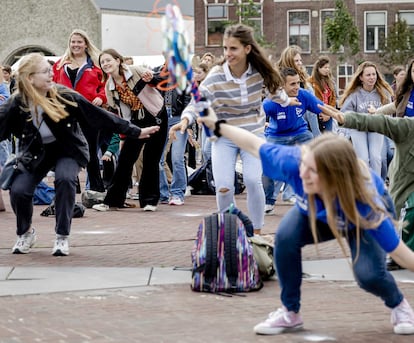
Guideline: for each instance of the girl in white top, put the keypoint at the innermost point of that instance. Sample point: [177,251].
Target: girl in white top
[235,91]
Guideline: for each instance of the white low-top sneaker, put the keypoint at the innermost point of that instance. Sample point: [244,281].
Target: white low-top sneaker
[61,246]
[25,242]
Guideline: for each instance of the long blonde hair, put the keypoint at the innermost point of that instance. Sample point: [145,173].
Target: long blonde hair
[91,50]
[345,180]
[53,104]
[383,88]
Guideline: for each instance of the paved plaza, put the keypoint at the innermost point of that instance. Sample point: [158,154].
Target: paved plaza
[127,279]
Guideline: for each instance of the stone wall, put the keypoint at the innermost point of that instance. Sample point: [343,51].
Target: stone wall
[45,25]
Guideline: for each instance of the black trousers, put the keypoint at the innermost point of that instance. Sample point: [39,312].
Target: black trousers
[21,193]
[93,168]
[149,184]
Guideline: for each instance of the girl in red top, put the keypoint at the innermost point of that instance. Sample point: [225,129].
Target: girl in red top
[79,69]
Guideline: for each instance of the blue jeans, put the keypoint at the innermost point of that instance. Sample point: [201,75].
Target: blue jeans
[179,171]
[269,187]
[313,123]
[205,145]
[387,155]
[224,154]
[369,268]
[368,147]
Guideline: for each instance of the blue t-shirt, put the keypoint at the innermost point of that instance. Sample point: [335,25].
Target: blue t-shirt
[281,162]
[409,110]
[289,120]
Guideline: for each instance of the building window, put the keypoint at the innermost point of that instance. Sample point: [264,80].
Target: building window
[375,24]
[299,29]
[344,75]
[252,15]
[409,19]
[217,20]
[325,14]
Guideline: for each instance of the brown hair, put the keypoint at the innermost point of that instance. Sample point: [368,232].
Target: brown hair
[271,77]
[319,79]
[405,86]
[116,55]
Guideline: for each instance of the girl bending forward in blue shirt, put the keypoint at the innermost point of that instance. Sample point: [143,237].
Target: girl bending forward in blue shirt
[337,196]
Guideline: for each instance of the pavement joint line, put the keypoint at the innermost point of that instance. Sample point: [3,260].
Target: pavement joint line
[150,276]
[9,273]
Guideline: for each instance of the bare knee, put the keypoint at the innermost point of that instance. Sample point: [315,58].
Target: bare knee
[223,190]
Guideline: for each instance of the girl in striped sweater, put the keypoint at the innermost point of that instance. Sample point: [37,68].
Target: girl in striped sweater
[234,90]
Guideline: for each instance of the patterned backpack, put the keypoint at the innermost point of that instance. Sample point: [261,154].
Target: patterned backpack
[222,257]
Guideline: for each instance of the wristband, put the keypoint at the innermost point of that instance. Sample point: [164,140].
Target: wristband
[217,127]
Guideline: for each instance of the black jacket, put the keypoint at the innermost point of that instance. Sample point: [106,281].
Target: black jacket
[14,119]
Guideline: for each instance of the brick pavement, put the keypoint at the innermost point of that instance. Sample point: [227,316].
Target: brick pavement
[333,311]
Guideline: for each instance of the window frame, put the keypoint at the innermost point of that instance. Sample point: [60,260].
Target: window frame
[309,35]
[258,3]
[218,19]
[322,34]
[377,37]
[344,76]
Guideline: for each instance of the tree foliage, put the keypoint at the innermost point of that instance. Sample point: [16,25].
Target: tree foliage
[398,47]
[247,11]
[341,31]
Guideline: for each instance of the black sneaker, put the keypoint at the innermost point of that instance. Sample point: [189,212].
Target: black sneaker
[392,265]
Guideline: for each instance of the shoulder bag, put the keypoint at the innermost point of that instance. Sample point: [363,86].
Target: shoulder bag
[13,166]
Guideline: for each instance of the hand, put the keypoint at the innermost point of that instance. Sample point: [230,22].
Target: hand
[371,109]
[294,102]
[146,132]
[147,76]
[181,126]
[106,158]
[97,101]
[208,120]
[324,117]
[332,112]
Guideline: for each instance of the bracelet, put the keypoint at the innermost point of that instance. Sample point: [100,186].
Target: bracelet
[217,127]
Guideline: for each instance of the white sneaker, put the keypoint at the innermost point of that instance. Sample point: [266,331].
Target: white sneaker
[176,201]
[290,201]
[269,209]
[25,242]
[103,208]
[61,246]
[150,208]
[278,322]
[402,317]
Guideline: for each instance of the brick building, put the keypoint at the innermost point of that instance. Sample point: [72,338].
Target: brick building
[285,22]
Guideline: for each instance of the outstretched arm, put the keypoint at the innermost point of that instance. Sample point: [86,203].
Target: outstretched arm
[404,256]
[332,112]
[241,137]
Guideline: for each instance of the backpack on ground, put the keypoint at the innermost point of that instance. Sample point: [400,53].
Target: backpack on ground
[90,198]
[201,181]
[222,257]
[43,194]
[78,210]
[263,253]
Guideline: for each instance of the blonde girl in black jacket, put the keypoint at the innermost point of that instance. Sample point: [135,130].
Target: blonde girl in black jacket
[46,120]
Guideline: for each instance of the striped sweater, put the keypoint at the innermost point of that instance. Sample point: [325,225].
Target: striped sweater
[239,101]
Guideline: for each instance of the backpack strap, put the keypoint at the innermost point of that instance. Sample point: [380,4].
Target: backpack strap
[230,248]
[211,263]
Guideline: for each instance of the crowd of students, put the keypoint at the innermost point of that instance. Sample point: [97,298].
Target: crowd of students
[67,117]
